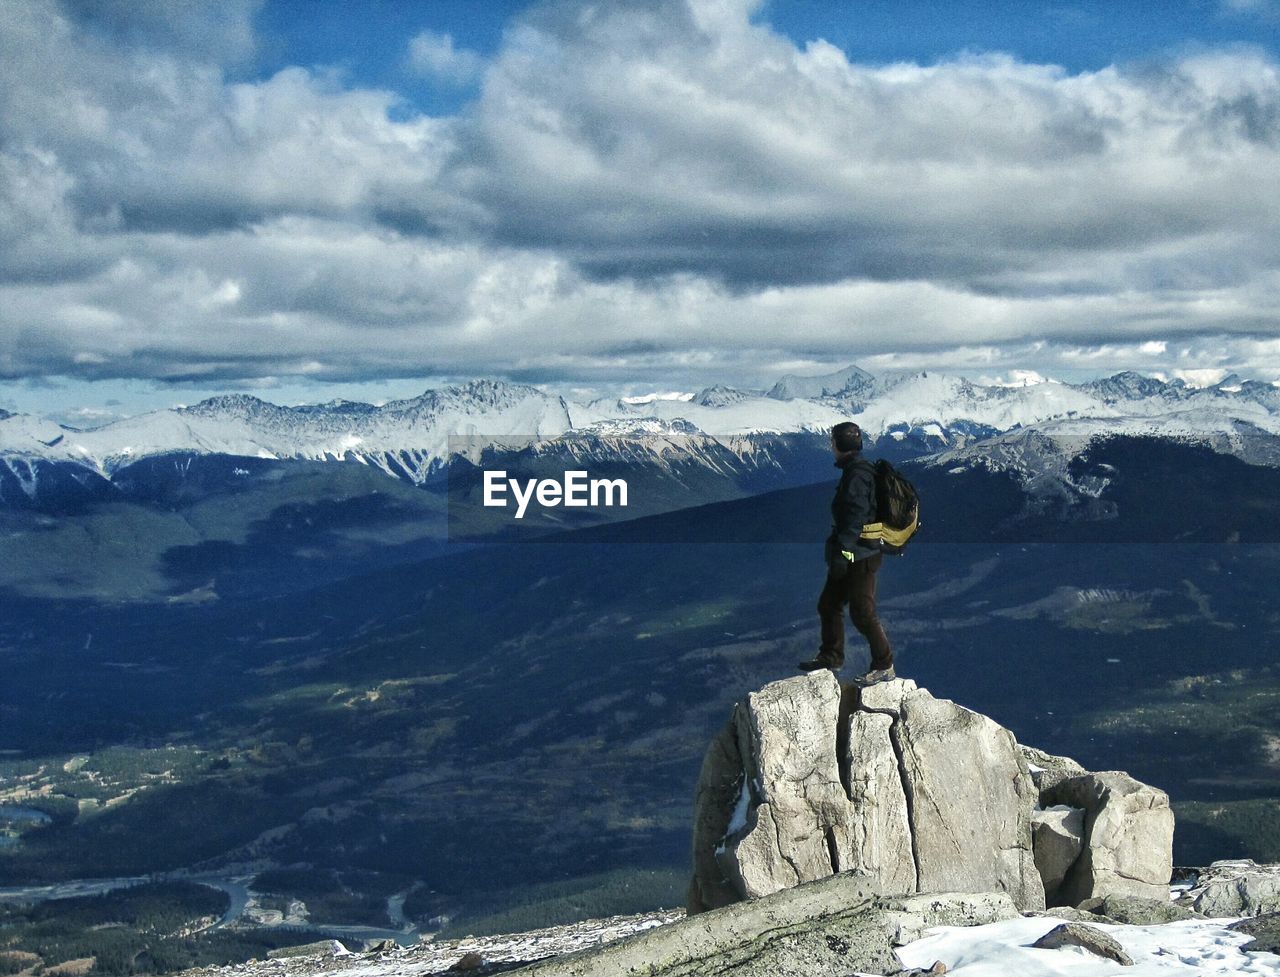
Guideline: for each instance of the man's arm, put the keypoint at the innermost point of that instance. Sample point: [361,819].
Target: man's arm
[855,506]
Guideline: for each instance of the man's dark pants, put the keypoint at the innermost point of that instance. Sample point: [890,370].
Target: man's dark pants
[855,586]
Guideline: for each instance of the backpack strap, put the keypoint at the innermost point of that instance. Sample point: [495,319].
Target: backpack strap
[887,534]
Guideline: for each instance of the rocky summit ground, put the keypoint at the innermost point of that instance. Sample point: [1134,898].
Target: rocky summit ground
[472,954]
[1009,947]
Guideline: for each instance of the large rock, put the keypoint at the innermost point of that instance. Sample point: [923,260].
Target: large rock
[1128,837]
[1057,835]
[917,793]
[834,926]
[1048,770]
[1087,938]
[1136,911]
[1071,914]
[1236,887]
[970,797]
[883,697]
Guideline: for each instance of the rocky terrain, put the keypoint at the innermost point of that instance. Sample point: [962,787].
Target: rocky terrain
[487,954]
[830,926]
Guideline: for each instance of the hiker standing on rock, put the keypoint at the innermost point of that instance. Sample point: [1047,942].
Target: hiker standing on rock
[851,563]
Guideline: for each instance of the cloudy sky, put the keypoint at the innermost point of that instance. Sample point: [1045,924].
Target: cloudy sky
[313,200]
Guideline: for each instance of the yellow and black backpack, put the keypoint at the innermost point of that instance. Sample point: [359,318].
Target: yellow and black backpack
[897,510]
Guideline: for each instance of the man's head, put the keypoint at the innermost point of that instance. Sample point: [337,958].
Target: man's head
[846,436]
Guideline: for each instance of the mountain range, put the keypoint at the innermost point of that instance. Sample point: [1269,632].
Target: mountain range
[416,439]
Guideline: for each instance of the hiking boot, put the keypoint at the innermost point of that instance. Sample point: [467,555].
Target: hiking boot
[813,664]
[877,675]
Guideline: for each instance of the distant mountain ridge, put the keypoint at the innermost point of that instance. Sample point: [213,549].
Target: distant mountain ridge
[846,383]
[415,438]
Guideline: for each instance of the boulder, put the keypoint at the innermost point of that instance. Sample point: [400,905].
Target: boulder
[1128,837]
[1071,914]
[328,948]
[1057,837]
[1236,887]
[1048,770]
[883,697]
[1086,937]
[917,793]
[1137,911]
[970,797]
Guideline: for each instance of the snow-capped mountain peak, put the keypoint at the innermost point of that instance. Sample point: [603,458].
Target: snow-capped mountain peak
[721,396]
[1131,386]
[851,381]
[240,406]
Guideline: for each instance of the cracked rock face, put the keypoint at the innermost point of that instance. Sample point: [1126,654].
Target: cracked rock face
[720,787]
[787,735]
[878,839]
[918,793]
[1128,829]
[970,795]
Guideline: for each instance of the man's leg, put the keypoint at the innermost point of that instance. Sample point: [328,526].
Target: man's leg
[831,618]
[862,609]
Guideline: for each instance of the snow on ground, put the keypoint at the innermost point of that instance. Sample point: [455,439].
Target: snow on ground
[1201,947]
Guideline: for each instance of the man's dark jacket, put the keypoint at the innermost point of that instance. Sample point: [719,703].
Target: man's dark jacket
[853,507]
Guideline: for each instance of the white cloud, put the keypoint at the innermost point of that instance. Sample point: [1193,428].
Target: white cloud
[639,144]
[1201,378]
[659,193]
[153,141]
[433,55]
